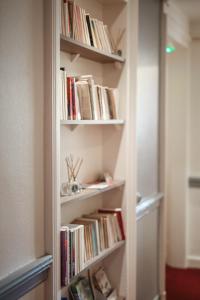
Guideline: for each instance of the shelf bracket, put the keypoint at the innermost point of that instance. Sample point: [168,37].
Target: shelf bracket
[74,57]
[118,65]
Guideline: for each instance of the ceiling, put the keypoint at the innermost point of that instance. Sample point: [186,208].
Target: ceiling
[191,8]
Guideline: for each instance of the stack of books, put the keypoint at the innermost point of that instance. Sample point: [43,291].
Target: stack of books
[86,238]
[72,251]
[82,99]
[80,26]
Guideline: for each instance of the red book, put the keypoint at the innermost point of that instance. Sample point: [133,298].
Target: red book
[64,254]
[69,98]
[117,211]
[74,113]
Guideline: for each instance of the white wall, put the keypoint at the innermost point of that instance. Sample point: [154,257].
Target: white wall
[183,148]
[176,155]
[21,133]
[194,157]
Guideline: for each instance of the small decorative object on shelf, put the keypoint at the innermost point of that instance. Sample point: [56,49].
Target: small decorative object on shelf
[72,186]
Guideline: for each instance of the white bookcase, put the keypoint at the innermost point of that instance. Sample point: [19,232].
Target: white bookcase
[103,145]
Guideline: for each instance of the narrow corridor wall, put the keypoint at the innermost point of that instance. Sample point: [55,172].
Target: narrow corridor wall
[21,133]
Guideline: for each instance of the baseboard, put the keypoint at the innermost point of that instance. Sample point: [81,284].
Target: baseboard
[193,261]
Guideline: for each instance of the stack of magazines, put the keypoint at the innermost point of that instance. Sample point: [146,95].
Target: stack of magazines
[82,99]
[95,286]
[80,26]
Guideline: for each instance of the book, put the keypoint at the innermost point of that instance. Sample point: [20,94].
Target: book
[102,282]
[91,236]
[117,211]
[84,100]
[64,246]
[79,25]
[66,16]
[99,218]
[72,251]
[103,103]
[112,102]
[63,95]
[81,289]
[88,22]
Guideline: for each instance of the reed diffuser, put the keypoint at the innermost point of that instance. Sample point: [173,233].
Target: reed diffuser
[73,169]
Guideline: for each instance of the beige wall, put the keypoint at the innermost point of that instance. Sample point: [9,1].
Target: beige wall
[21,133]
[176,155]
[183,158]
[194,158]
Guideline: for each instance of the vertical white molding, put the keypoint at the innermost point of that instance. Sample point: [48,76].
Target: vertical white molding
[132,52]
[51,135]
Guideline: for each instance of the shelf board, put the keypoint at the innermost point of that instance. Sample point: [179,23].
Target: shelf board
[88,193]
[113,1]
[74,47]
[98,259]
[92,122]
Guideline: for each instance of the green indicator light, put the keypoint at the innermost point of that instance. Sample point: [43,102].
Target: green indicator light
[170,49]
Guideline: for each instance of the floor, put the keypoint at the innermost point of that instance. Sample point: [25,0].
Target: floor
[182,284]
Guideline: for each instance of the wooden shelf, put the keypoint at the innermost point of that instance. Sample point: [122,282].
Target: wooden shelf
[113,1]
[88,193]
[92,122]
[105,253]
[74,47]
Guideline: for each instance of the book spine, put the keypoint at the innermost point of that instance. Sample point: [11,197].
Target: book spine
[69,98]
[89,29]
[71,17]
[63,257]
[74,112]
[120,220]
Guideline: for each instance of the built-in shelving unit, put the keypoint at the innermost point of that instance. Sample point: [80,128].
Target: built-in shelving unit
[74,47]
[89,193]
[106,146]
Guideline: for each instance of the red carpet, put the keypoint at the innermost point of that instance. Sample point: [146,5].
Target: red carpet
[182,284]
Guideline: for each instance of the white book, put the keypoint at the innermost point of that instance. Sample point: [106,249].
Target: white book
[94,100]
[101,103]
[106,39]
[102,38]
[77,103]
[113,100]
[119,235]
[106,104]
[82,249]
[110,39]
[65,96]
[66,15]
[61,94]
[85,27]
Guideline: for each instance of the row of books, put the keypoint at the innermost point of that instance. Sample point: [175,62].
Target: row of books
[86,238]
[79,25]
[82,99]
